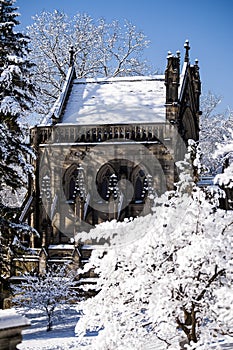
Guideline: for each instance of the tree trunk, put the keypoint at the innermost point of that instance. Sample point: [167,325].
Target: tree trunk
[188,327]
[49,322]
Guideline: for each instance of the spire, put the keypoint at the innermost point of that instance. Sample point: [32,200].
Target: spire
[172,76]
[187,48]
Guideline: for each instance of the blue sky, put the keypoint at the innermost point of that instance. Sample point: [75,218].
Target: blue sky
[208,25]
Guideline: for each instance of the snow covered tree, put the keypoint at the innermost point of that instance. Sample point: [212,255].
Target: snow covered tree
[17,87]
[215,129]
[47,292]
[16,98]
[165,281]
[100,49]
[224,151]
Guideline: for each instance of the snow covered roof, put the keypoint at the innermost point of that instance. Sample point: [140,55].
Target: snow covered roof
[116,100]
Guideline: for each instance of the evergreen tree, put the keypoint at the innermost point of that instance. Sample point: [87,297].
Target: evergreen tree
[16,98]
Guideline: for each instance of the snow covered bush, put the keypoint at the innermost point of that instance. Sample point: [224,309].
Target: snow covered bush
[48,292]
[168,286]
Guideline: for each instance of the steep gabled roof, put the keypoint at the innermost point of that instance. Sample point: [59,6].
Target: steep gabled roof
[127,100]
[116,100]
[110,100]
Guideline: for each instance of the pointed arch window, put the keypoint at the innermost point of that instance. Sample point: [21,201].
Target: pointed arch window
[107,182]
[74,183]
[142,184]
[139,188]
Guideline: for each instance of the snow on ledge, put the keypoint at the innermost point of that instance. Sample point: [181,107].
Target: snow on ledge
[11,319]
[62,246]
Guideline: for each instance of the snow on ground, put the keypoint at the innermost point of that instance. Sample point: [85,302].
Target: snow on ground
[62,336]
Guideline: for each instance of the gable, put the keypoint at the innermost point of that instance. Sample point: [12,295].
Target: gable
[189,103]
[120,100]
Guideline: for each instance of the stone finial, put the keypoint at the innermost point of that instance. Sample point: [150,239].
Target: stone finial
[187,48]
[178,54]
[169,54]
[71,52]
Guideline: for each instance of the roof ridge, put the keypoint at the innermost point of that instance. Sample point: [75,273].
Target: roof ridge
[157,77]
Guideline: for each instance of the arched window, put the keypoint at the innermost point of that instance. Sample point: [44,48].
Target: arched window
[104,181]
[139,191]
[74,182]
[142,182]
[189,128]
[103,187]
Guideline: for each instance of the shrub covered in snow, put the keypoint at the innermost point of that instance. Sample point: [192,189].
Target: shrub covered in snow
[171,285]
[46,292]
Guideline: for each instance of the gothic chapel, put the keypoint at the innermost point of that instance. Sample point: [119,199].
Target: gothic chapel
[107,146]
